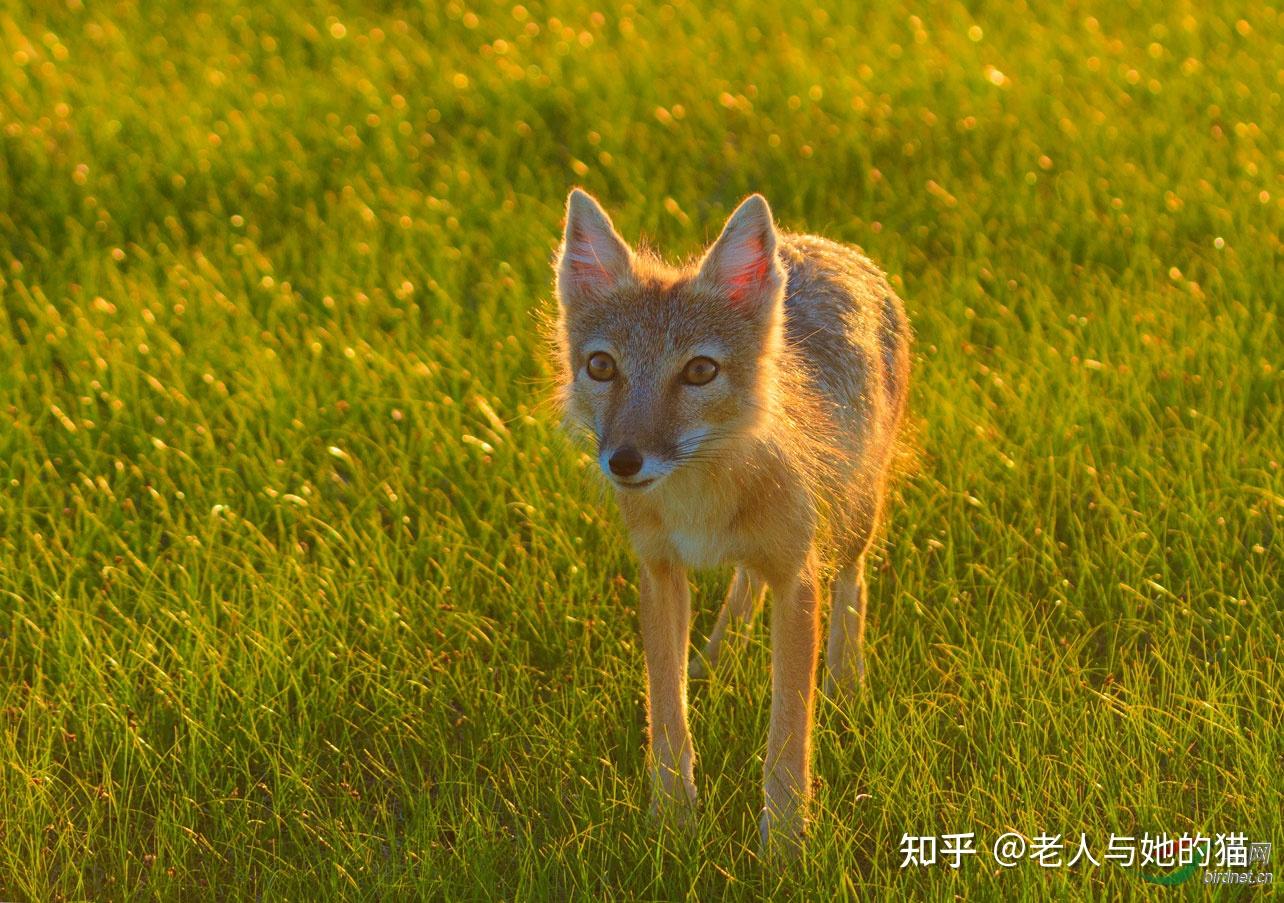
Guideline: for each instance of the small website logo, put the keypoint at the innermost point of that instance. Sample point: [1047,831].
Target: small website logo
[1161,859]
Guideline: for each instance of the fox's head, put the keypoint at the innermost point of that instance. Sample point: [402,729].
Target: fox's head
[665,367]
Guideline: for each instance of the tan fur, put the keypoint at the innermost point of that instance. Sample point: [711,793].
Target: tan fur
[779,464]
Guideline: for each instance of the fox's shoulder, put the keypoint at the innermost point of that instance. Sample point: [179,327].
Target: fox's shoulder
[828,280]
[841,310]
[815,261]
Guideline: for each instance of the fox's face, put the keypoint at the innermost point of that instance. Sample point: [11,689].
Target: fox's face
[666,367]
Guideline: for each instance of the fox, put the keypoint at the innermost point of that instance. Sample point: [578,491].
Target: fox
[745,409]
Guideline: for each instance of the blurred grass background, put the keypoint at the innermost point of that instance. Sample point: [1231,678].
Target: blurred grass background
[302,594]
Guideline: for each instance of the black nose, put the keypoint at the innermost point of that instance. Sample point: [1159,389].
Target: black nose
[626,461]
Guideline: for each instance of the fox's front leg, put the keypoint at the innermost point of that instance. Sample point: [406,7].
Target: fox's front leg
[795,643]
[665,613]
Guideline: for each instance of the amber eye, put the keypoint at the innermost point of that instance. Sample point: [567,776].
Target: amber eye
[601,366]
[699,370]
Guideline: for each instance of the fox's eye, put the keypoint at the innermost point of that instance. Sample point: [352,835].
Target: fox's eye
[699,370]
[601,366]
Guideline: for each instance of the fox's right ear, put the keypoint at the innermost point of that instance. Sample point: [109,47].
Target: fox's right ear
[593,257]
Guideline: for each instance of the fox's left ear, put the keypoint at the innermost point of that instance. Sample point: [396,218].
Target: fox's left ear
[742,264]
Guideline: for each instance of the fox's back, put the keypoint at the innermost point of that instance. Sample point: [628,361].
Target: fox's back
[848,328]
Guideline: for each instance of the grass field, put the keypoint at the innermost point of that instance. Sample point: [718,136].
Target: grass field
[304,596]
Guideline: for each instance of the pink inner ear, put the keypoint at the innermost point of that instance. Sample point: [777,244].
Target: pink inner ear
[584,259]
[751,275]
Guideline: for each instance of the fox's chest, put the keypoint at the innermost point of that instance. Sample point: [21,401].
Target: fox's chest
[699,529]
[699,546]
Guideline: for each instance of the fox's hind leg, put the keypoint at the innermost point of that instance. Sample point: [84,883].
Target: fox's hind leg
[845,652]
[845,655]
[744,598]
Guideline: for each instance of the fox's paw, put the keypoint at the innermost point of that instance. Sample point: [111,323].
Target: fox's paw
[783,823]
[699,667]
[677,810]
[846,682]
[781,835]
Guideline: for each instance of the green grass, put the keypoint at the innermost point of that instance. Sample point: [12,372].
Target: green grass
[304,596]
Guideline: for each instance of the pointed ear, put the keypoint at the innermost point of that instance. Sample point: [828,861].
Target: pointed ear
[742,264]
[593,257]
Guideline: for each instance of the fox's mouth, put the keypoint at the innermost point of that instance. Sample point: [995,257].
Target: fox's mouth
[634,484]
